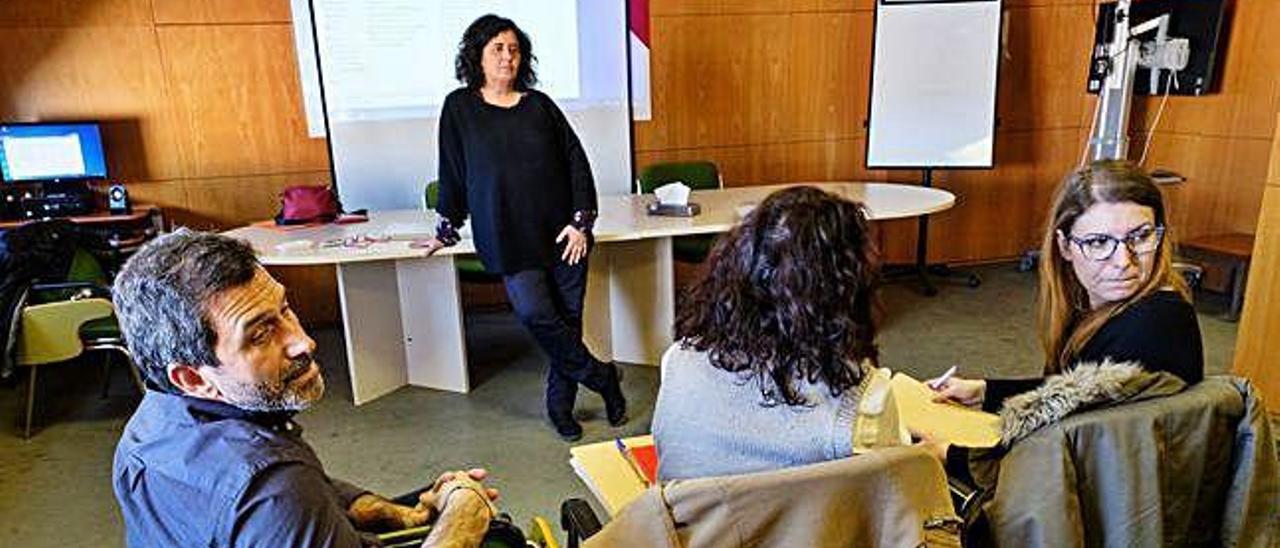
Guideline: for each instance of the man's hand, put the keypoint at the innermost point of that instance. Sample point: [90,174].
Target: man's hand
[962,391]
[372,513]
[464,512]
[463,523]
[434,498]
[576,249]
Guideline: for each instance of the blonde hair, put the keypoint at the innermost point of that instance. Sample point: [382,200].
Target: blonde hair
[1066,320]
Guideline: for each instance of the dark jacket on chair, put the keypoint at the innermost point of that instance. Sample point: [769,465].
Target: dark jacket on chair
[34,251]
[1168,466]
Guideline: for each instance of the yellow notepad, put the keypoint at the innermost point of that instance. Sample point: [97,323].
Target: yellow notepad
[955,423]
[607,473]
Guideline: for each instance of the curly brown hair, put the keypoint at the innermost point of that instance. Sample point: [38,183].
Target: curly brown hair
[788,295]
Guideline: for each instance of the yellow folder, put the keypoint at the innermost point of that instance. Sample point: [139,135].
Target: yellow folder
[955,423]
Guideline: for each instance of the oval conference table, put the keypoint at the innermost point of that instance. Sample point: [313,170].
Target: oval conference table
[402,310]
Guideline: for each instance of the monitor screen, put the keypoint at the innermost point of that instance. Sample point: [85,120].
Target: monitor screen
[1199,21]
[51,152]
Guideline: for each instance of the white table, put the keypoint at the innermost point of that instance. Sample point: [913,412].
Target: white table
[402,310]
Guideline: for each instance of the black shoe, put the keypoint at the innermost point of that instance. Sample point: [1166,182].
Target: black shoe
[615,404]
[568,429]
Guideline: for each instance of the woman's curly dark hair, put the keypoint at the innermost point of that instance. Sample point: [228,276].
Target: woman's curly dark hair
[788,295]
[467,65]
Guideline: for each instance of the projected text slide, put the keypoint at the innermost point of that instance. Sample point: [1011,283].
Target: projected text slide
[386,59]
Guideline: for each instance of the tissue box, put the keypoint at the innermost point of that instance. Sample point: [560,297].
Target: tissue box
[668,210]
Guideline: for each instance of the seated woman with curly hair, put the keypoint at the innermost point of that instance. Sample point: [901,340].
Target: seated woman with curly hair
[772,342]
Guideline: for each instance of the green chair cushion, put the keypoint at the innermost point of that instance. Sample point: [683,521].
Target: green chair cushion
[692,249]
[469,266]
[102,328]
[697,175]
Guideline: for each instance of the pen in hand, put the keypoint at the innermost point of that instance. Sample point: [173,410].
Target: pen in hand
[939,382]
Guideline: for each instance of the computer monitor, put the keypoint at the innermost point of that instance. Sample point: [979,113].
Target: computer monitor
[1199,21]
[51,152]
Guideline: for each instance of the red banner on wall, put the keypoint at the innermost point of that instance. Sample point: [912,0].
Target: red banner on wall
[638,21]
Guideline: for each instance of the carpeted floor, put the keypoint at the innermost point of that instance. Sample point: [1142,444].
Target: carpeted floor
[55,489]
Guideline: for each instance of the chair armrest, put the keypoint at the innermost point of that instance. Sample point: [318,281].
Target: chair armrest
[578,520]
[63,286]
[62,291]
[51,331]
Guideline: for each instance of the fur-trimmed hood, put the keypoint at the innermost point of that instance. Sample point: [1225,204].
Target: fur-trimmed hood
[1087,386]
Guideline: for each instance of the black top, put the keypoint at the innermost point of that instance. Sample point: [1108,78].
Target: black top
[1160,332]
[519,171]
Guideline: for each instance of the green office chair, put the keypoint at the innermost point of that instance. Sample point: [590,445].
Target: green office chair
[698,176]
[469,266]
[63,320]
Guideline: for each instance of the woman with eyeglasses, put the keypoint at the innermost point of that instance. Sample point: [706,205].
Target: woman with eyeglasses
[1107,286]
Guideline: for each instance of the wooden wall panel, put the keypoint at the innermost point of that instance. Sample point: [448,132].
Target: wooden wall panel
[828,53]
[49,77]
[171,196]
[718,7]
[220,202]
[1258,340]
[74,13]
[721,83]
[833,5]
[239,93]
[739,165]
[1042,71]
[1224,183]
[1000,212]
[221,11]
[202,113]
[312,292]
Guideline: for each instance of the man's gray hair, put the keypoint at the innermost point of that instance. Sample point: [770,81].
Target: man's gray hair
[161,297]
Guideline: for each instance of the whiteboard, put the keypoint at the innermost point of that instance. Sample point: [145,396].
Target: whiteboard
[385,66]
[933,83]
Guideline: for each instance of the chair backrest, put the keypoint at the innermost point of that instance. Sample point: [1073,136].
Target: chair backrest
[431,195]
[891,497]
[85,267]
[698,175]
[1194,468]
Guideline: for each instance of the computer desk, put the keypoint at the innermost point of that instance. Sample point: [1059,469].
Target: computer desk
[402,310]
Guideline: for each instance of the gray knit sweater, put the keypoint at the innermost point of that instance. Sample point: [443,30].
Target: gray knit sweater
[710,422]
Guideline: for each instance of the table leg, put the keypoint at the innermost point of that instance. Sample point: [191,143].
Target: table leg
[596,317]
[435,341]
[1239,276]
[412,334]
[641,300]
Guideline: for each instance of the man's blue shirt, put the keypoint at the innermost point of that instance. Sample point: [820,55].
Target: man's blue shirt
[193,472]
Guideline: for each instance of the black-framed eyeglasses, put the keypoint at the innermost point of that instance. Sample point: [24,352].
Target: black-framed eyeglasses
[1100,247]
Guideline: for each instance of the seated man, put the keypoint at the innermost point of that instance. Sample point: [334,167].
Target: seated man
[212,456]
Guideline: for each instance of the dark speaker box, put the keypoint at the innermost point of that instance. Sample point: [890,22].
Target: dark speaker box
[118,200]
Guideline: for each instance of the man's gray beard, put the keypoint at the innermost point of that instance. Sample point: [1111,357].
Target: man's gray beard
[269,396]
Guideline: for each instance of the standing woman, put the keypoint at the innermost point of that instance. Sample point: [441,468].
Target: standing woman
[509,158]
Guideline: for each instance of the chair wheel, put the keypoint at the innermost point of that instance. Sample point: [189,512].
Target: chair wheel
[974,280]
